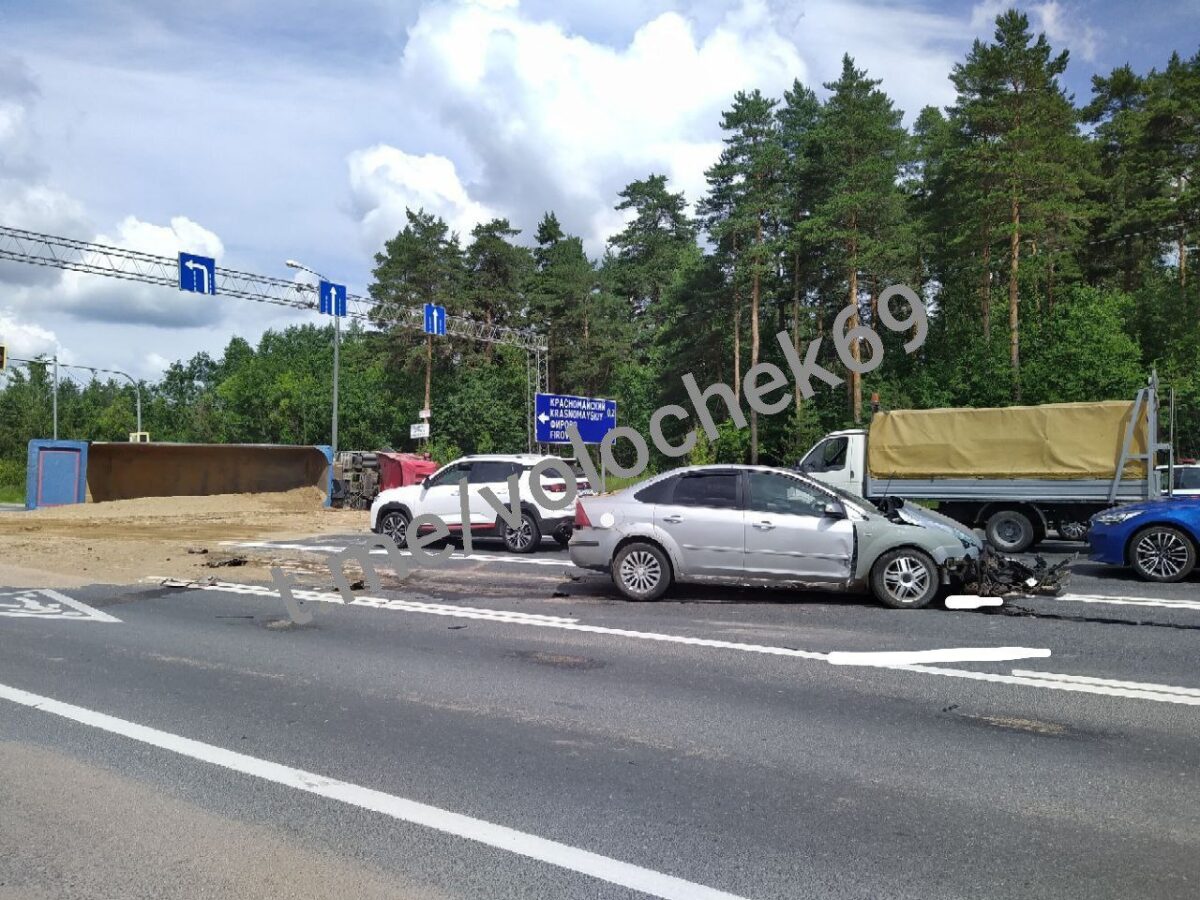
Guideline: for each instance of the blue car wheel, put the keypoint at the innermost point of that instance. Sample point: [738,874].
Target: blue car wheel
[1161,553]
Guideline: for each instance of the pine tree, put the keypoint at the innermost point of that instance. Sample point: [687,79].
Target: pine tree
[647,252]
[863,148]
[1019,140]
[747,197]
[803,190]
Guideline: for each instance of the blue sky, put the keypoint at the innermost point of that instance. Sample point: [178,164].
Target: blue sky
[262,131]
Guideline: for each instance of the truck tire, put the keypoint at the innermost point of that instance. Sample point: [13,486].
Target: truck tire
[1010,531]
[906,578]
[1073,531]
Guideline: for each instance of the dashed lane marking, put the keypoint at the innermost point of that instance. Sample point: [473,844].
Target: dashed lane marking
[564,856]
[460,557]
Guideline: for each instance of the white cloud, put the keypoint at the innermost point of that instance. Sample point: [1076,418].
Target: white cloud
[98,298]
[1066,28]
[553,120]
[29,200]
[24,339]
[384,182]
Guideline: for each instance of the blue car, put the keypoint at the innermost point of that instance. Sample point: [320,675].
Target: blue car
[1158,539]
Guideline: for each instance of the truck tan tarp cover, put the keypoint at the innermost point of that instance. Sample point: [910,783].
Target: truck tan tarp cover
[1058,440]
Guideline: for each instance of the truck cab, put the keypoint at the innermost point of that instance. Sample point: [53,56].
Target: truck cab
[839,460]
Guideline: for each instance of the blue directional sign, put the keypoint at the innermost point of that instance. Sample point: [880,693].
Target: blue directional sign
[592,416]
[435,319]
[333,298]
[197,274]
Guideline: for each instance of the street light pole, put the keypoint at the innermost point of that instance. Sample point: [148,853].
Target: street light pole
[337,340]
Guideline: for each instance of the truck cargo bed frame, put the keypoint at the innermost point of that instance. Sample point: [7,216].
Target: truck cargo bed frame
[1051,490]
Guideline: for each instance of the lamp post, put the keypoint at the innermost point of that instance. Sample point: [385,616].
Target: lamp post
[337,340]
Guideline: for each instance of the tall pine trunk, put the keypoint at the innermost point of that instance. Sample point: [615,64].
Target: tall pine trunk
[737,344]
[1014,322]
[755,285]
[985,286]
[796,318]
[737,327]
[852,323]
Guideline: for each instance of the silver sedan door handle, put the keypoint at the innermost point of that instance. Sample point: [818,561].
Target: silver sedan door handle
[673,519]
[763,526]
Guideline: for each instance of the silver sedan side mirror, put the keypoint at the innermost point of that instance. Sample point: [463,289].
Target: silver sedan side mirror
[834,511]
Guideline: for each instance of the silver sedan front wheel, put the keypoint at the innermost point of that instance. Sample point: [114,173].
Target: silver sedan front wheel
[1163,554]
[641,571]
[904,579]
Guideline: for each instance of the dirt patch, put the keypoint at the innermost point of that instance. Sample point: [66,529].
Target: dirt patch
[125,540]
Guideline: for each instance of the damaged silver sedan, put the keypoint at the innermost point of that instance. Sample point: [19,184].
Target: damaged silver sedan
[757,525]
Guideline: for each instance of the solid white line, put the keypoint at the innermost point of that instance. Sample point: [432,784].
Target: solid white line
[564,856]
[950,655]
[1110,682]
[1053,684]
[1131,601]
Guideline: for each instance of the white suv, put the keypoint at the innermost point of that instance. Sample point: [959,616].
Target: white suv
[438,494]
[1187,480]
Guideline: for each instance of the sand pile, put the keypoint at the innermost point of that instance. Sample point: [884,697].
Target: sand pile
[125,540]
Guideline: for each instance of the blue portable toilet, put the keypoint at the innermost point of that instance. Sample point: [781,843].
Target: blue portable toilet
[56,473]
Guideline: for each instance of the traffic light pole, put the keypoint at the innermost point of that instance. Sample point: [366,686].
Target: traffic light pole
[337,341]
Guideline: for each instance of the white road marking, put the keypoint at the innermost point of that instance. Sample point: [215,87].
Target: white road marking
[437,609]
[1157,693]
[971,601]
[1131,601]
[564,856]
[461,557]
[48,604]
[1109,682]
[950,655]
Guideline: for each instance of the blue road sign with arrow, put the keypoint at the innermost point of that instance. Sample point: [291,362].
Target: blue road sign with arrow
[197,274]
[333,298]
[552,413]
[435,319]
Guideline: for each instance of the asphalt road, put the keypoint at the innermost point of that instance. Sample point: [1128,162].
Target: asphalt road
[505,729]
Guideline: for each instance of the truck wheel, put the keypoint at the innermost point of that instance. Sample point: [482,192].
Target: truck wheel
[1010,531]
[904,579]
[1159,553]
[1073,531]
[641,571]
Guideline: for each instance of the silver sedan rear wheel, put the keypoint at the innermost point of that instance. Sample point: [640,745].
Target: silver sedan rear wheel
[1163,554]
[905,579]
[641,571]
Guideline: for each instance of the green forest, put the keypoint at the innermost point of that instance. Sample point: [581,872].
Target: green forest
[1049,235]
